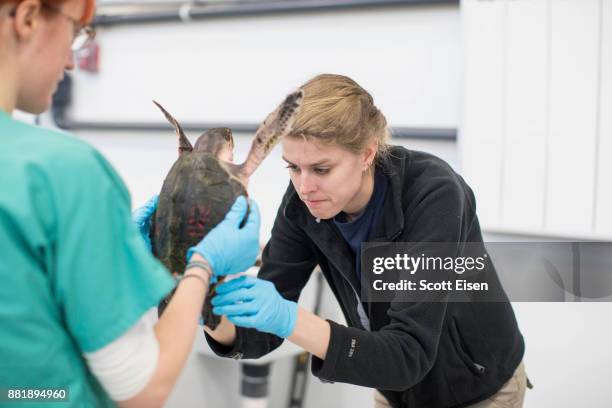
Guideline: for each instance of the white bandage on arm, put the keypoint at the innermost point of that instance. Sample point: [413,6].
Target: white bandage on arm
[125,366]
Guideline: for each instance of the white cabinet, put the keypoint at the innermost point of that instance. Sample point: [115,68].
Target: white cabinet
[536,133]
[483,35]
[526,114]
[574,84]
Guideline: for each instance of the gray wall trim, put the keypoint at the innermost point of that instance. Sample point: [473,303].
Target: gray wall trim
[448,134]
[190,11]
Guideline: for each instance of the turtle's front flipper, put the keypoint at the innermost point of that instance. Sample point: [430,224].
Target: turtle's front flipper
[184,144]
[276,125]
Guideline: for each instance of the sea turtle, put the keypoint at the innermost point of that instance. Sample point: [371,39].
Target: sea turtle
[202,185]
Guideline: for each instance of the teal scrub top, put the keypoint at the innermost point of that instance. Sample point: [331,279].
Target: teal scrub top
[75,273]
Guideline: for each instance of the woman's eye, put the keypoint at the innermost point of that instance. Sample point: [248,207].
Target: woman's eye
[321,171]
[292,168]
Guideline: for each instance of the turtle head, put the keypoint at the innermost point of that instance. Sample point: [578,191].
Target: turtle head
[184,144]
[218,142]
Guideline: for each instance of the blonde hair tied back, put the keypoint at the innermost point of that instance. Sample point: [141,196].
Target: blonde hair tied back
[336,109]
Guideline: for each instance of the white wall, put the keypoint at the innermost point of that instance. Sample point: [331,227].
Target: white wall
[238,69]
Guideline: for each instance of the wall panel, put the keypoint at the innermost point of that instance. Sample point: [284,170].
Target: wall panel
[523,181]
[481,136]
[573,116]
[603,215]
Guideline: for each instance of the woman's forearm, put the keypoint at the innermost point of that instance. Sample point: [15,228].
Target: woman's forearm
[311,333]
[175,332]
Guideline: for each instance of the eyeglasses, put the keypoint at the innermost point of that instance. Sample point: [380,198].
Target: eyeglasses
[81,36]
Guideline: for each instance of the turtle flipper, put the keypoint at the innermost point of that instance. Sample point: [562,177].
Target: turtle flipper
[274,127]
[184,144]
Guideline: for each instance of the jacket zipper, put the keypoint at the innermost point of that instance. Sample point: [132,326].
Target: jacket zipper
[359,304]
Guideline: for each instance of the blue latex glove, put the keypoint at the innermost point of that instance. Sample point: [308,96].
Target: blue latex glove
[255,303]
[229,248]
[142,218]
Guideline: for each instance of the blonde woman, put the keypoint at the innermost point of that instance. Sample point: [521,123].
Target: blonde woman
[76,276]
[347,187]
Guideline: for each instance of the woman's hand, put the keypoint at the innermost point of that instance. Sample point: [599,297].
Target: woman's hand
[142,218]
[227,247]
[251,302]
[255,303]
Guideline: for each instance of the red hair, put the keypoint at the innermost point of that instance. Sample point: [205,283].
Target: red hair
[88,13]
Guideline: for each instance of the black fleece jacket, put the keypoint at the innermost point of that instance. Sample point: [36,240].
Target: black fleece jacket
[428,354]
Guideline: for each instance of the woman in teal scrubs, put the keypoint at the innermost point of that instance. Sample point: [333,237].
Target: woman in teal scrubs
[76,276]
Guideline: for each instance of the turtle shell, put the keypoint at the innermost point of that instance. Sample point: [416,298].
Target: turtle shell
[196,194]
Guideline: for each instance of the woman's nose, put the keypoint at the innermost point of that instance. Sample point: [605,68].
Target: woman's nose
[307,184]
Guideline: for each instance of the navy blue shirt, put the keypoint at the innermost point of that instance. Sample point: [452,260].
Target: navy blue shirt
[358,230]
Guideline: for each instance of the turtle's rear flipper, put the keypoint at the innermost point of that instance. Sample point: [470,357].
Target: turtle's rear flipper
[210,319]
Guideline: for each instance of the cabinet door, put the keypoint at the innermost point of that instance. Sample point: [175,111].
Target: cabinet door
[526,106]
[574,68]
[603,215]
[481,133]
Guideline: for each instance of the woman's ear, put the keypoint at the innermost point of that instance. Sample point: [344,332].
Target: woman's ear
[369,154]
[27,18]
